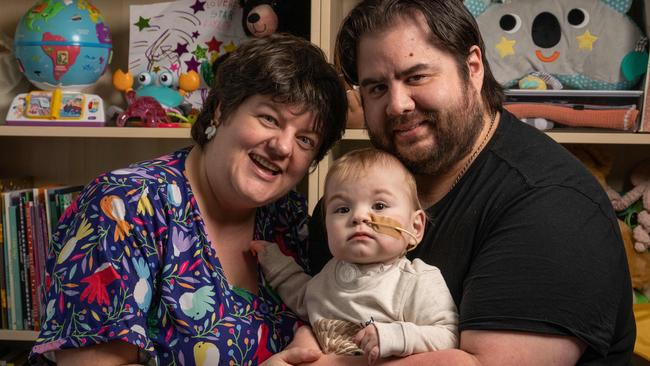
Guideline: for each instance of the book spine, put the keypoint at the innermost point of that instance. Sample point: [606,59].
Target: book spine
[14,301]
[33,272]
[24,264]
[3,285]
[42,249]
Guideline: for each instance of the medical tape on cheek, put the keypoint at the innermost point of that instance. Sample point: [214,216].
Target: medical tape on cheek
[389,226]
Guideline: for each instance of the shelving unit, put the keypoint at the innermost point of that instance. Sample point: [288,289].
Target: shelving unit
[73,155]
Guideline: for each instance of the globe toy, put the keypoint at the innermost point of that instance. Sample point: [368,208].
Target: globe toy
[63,44]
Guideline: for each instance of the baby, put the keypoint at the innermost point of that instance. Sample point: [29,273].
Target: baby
[369,299]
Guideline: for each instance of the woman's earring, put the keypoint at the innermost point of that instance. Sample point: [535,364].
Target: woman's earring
[210,131]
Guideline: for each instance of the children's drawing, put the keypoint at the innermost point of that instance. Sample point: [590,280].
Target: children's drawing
[182,36]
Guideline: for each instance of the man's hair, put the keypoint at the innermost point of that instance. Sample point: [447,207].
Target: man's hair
[356,163]
[452,27]
[287,68]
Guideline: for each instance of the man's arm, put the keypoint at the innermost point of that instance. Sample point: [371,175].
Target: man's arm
[485,348]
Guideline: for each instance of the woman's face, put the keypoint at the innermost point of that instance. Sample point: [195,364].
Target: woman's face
[260,152]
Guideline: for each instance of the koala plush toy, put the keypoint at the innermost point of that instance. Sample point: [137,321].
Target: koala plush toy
[584,44]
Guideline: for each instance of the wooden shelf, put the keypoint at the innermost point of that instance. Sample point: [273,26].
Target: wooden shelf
[18,335]
[580,136]
[101,132]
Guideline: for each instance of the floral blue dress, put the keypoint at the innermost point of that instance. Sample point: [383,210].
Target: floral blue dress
[130,260]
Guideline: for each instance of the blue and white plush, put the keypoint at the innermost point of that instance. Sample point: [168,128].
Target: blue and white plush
[585,44]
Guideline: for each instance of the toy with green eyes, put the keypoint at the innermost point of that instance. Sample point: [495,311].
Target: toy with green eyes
[156,93]
[161,86]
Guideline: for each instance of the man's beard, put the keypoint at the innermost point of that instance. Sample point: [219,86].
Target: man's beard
[454,132]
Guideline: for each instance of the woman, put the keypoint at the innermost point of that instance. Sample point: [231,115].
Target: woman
[152,262]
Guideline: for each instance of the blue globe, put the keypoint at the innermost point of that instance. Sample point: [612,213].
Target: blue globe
[63,43]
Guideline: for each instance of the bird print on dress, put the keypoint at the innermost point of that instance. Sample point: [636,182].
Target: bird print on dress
[113,208]
[206,354]
[83,231]
[142,291]
[197,304]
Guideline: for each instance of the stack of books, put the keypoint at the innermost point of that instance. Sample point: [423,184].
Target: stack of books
[29,215]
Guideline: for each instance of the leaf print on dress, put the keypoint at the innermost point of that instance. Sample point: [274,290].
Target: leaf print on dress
[206,354]
[83,231]
[113,208]
[97,282]
[196,304]
[174,194]
[142,291]
[180,242]
[144,205]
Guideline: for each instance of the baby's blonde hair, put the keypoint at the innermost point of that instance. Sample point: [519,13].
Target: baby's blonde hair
[357,162]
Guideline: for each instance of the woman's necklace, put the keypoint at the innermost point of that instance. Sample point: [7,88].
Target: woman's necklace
[474,154]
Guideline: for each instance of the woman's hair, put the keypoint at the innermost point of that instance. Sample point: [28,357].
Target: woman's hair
[452,27]
[290,70]
[356,163]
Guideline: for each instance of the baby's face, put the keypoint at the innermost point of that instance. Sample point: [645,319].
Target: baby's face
[348,206]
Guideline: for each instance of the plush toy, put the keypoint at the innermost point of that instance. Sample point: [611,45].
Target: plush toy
[575,44]
[640,179]
[600,163]
[264,17]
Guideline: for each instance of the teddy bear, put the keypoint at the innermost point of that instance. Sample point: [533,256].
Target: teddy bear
[599,162]
[262,18]
[640,180]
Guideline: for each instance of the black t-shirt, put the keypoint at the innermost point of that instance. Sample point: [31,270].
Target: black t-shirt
[528,241]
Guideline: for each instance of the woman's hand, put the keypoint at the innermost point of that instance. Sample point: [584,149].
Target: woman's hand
[304,338]
[258,246]
[293,356]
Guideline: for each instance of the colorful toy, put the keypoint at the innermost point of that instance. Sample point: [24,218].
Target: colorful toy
[262,18]
[638,198]
[63,44]
[156,99]
[585,44]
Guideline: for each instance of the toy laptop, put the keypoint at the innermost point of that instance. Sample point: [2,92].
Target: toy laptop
[56,108]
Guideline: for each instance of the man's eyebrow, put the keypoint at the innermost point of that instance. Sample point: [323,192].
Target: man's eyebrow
[398,75]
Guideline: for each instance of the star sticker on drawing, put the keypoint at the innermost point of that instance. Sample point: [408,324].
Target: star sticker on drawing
[199,52]
[195,34]
[192,64]
[198,6]
[180,49]
[229,47]
[173,67]
[156,68]
[142,23]
[213,45]
[506,47]
[586,41]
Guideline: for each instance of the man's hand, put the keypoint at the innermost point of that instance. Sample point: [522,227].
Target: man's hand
[293,356]
[368,340]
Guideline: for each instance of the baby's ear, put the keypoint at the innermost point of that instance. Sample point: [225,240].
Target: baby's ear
[419,222]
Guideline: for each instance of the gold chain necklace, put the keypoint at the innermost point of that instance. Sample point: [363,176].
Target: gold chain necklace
[474,154]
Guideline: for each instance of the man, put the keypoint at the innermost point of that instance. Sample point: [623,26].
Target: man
[526,239]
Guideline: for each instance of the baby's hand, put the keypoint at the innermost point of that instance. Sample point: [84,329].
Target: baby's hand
[368,340]
[258,246]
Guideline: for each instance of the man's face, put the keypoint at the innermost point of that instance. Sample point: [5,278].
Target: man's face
[416,104]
